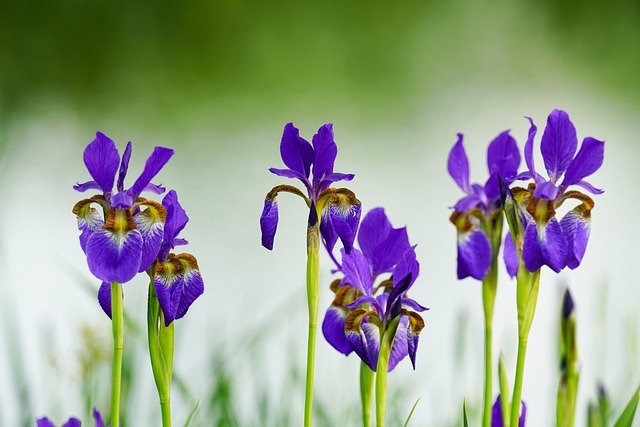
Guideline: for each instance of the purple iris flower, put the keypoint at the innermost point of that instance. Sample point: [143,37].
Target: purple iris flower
[496,414]
[548,241]
[125,237]
[313,164]
[358,318]
[71,422]
[475,213]
[177,279]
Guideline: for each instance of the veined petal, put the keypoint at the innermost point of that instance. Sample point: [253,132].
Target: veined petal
[544,244]
[587,161]
[334,177]
[325,152]
[101,158]
[357,272]
[296,152]
[193,284]
[503,157]
[559,144]
[85,186]
[89,220]
[176,221]
[327,231]
[154,188]
[528,150]
[333,329]
[104,298]
[510,255]
[576,226]
[114,252]
[269,222]
[415,325]
[399,349]
[390,251]
[288,173]
[375,228]
[364,336]
[124,166]
[458,165]
[546,190]
[150,223]
[345,220]
[590,188]
[474,254]
[156,161]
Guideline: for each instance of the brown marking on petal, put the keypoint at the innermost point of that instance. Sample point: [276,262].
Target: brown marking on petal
[189,260]
[335,285]
[271,195]
[354,319]
[461,221]
[587,202]
[166,271]
[541,209]
[150,204]
[415,321]
[345,295]
[339,196]
[120,220]
[82,204]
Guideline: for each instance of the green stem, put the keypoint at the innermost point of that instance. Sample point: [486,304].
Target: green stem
[313,298]
[367,377]
[161,345]
[381,380]
[517,386]
[489,285]
[488,373]
[117,322]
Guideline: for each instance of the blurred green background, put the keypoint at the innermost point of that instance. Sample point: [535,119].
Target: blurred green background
[217,81]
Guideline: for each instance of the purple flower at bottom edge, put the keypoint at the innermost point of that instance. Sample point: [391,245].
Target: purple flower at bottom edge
[125,238]
[496,414]
[71,422]
[337,211]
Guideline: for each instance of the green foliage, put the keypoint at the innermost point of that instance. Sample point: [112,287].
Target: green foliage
[626,418]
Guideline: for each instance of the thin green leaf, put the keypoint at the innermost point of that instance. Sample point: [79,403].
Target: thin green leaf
[626,418]
[406,423]
[192,414]
[464,414]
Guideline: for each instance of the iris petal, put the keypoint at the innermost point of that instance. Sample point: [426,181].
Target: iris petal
[324,154]
[104,298]
[510,255]
[559,144]
[296,152]
[390,251]
[114,256]
[587,161]
[375,227]
[101,158]
[192,284]
[89,220]
[399,349]
[345,223]
[576,229]
[269,222]
[458,165]
[150,223]
[544,244]
[528,150]
[156,161]
[177,218]
[357,272]
[365,339]
[503,157]
[124,166]
[333,329]
[474,254]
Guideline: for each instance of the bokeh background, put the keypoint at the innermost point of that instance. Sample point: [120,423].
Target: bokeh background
[217,81]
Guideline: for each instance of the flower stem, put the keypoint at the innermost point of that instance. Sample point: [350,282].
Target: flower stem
[161,340]
[313,299]
[117,322]
[517,386]
[367,377]
[381,380]
[489,285]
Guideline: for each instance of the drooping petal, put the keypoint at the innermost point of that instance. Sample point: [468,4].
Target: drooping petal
[474,254]
[269,222]
[104,298]
[192,284]
[327,230]
[559,144]
[124,166]
[399,349]
[587,161]
[150,223]
[345,220]
[576,228]
[544,244]
[458,165]
[510,255]
[101,158]
[156,161]
[333,329]
[357,272]
[89,220]
[115,251]
[177,218]
[325,151]
[503,157]
[364,336]
[414,327]
[296,152]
